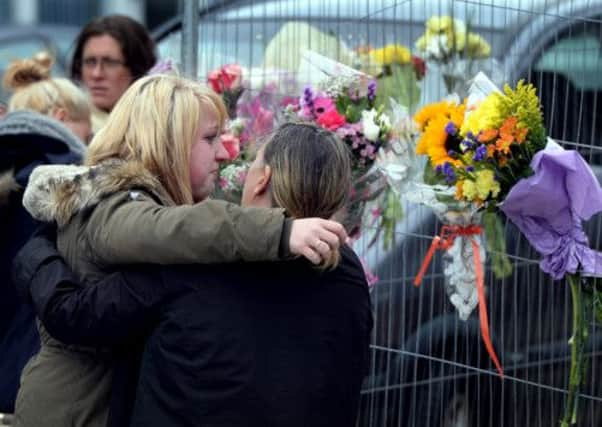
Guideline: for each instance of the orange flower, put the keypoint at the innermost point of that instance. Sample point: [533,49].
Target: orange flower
[487,135]
[502,145]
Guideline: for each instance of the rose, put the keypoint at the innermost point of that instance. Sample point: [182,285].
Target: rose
[227,78]
[231,144]
[331,120]
[419,67]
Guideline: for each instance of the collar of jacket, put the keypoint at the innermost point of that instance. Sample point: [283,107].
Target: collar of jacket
[58,192]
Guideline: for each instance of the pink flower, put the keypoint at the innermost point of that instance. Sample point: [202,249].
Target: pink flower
[231,144]
[322,105]
[331,120]
[227,78]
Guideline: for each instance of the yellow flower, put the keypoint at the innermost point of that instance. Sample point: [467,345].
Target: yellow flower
[392,54]
[432,120]
[477,46]
[457,40]
[486,184]
[421,43]
[485,116]
[469,190]
[440,24]
[481,188]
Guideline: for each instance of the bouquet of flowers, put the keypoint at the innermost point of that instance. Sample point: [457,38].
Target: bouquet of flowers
[481,148]
[498,157]
[397,70]
[448,43]
[227,81]
[346,106]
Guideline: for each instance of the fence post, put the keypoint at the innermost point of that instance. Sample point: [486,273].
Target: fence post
[190,37]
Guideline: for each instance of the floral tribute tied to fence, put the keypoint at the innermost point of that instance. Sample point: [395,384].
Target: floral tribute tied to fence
[489,153]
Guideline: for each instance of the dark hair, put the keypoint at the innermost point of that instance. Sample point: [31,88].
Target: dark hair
[311,170]
[137,47]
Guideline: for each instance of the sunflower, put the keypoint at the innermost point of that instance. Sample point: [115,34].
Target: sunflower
[435,141]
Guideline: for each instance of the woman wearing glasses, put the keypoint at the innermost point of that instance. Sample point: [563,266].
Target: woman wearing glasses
[111,52]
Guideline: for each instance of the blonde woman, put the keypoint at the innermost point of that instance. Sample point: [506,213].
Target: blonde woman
[278,344]
[34,89]
[141,200]
[46,121]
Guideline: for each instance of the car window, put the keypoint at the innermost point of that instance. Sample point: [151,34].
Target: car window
[568,76]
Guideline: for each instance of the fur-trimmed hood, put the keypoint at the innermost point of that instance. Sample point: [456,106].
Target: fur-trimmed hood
[58,192]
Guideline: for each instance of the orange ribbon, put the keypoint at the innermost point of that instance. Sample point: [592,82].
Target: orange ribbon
[444,241]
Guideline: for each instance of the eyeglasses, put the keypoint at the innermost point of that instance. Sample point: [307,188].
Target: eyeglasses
[108,64]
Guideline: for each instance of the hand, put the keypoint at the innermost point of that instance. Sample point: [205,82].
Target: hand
[316,239]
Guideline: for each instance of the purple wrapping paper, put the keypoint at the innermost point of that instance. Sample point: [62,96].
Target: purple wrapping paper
[549,207]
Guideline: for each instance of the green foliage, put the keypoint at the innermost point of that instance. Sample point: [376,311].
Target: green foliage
[496,245]
[524,104]
[399,83]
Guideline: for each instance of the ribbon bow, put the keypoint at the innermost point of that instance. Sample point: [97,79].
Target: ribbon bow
[444,241]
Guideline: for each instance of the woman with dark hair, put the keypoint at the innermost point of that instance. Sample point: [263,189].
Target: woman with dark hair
[110,53]
[247,344]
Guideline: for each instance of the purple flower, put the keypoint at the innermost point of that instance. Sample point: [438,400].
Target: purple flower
[470,135]
[450,128]
[451,153]
[469,168]
[480,153]
[439,169]
[308,99]
[372,90]
[468,144]
[448,171]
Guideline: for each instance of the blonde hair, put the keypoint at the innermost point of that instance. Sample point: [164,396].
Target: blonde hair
[34,89]
[155,123]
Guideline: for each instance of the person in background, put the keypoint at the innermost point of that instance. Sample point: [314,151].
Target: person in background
[111,52]
[142,198]
[280,344]
[47,121]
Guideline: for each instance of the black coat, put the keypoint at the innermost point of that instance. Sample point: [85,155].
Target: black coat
[256,344]
[27,140]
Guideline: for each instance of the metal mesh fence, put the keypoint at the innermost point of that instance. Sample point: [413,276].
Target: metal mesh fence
[429,368]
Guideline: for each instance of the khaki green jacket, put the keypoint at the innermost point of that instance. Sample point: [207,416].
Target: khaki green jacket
[118,214]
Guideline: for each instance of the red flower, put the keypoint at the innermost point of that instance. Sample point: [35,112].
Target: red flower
[232,145]
[331,120]
[419,67]
[227,78]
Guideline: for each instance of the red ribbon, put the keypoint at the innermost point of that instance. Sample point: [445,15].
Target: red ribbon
[444,241]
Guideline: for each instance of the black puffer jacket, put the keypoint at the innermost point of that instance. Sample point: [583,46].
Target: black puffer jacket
[27,139]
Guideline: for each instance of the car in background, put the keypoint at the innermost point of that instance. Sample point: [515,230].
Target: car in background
[429,368]
[17,42]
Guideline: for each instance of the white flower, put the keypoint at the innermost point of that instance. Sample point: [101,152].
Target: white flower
[370,129]
[237,126]
[384,121]
[437,47]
